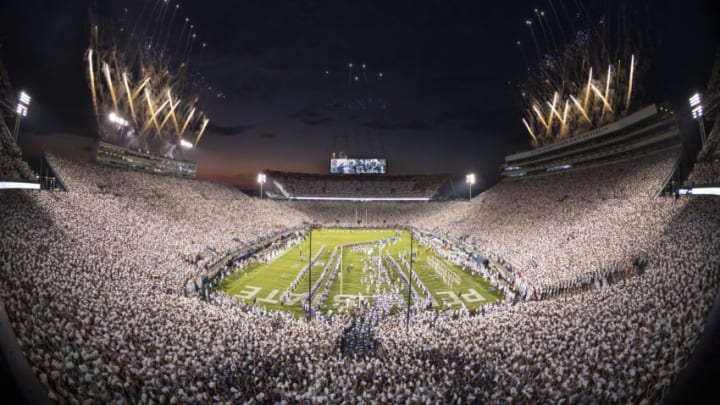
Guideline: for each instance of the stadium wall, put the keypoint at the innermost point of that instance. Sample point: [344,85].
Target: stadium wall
[27,387]
[54,172]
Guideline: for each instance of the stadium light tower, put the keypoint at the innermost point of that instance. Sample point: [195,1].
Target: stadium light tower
[470,180]
[21,111]
[697,113]
[261,179]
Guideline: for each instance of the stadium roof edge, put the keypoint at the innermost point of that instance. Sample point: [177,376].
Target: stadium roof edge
[633,118]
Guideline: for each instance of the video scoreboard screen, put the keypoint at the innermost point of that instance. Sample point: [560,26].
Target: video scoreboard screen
[358,166]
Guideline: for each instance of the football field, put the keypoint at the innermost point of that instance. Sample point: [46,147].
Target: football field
[347,274]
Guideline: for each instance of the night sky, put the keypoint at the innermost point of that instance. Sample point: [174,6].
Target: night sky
[275,79]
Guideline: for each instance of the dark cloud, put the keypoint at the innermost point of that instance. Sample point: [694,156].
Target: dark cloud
[229,130]
[416,125]
[316,121]
[268,135]
[303,114]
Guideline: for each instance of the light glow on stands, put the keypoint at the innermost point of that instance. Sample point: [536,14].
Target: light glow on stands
[700,191]
[17,185]
[360,198]
[520,174]
[185,144]
[558,167]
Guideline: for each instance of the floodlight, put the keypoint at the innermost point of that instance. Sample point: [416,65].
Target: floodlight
[23,103]
[24,98]
[695,100]
[470,180]
[21,110]
[697,112]
[696,104]
[185,144]
[261,179]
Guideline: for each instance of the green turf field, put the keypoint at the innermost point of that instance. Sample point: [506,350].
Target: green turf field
[265,283]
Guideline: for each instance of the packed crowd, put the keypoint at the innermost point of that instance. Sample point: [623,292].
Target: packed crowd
[574,227]
[624,342]
[707,168]
[92,280]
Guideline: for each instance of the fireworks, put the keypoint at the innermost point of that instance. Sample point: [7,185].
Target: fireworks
[138,80]
[564,95]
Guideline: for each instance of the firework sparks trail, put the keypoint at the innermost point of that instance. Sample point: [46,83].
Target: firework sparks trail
[91,75]
[131,104]
[607,86]
[630,82]
[532,134]
[540,117]
[573,73]
[136,64]
[202,130]
[582,110]
[587,90]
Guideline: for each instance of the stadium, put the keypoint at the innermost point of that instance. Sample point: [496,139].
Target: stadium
[588,273]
